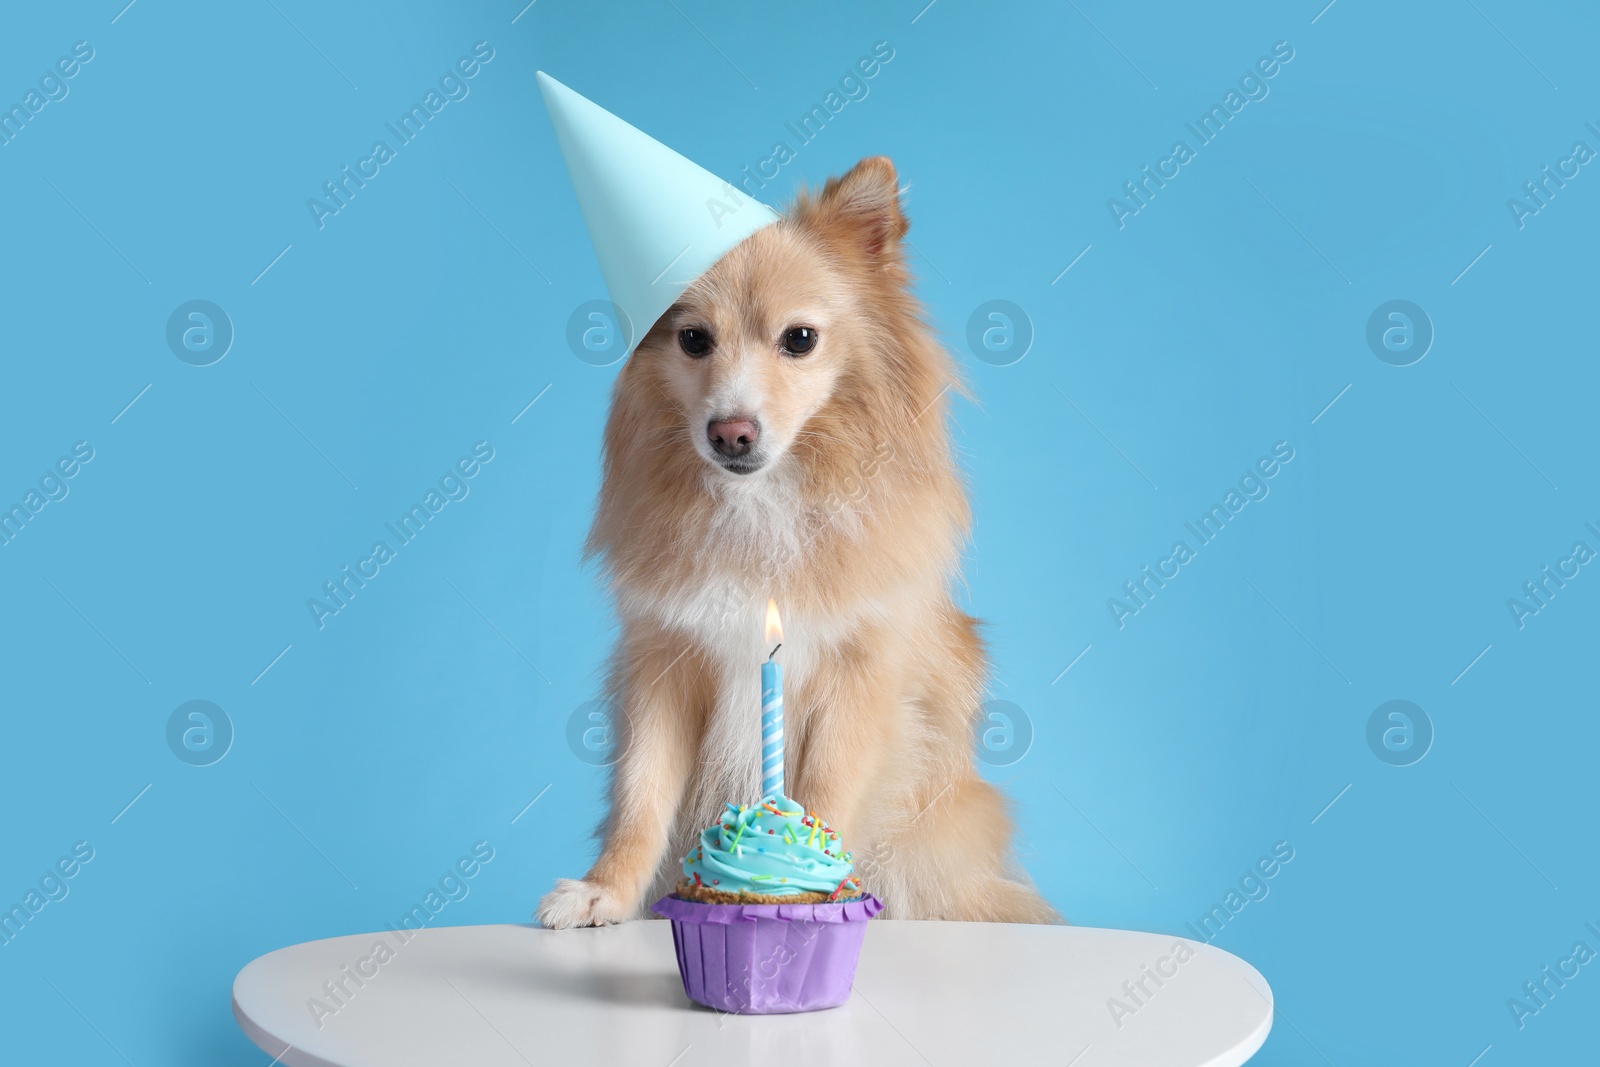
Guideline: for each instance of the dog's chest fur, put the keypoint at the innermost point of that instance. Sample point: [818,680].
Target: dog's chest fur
[722,611]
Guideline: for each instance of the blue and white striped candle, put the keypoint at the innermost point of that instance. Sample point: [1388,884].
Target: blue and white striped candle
[772,711]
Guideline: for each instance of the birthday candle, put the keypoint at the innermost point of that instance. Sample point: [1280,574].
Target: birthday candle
[772,710]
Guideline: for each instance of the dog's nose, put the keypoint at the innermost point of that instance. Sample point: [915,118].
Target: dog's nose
[732,437]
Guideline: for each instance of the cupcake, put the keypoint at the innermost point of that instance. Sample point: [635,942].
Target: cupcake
[769,916]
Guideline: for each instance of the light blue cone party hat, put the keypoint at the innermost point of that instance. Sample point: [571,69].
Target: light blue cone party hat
[657,220]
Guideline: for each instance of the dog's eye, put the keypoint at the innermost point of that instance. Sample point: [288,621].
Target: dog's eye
[694,342]
[798,340]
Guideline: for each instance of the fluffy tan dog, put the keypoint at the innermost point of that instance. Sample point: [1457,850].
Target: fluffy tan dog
[780,432]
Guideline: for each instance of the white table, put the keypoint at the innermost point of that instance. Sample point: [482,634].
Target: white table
[925,993]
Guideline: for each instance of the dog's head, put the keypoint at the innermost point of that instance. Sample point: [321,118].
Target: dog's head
[754,355]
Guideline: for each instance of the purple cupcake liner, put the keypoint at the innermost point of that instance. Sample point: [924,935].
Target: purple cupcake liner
[766,959]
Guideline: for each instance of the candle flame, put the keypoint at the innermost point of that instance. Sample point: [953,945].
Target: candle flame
[774,624]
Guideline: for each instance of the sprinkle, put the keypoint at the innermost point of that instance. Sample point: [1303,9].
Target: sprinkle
[770,806]
[769,831]
[760,877]
[716,881]
[838,888]
[697,880]
[788,835]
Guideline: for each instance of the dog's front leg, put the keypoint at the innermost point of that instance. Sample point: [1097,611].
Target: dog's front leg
[656,687]
[854,717]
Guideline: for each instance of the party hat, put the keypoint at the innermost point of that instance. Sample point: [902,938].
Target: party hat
[657,220]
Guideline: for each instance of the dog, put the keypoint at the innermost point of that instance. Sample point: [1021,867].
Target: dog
[780,432]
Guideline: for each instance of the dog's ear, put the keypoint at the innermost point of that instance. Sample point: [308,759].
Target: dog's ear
[863,206]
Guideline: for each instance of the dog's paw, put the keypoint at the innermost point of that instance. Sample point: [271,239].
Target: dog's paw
[579,903]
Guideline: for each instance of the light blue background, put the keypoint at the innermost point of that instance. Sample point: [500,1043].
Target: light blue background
[1223,318]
